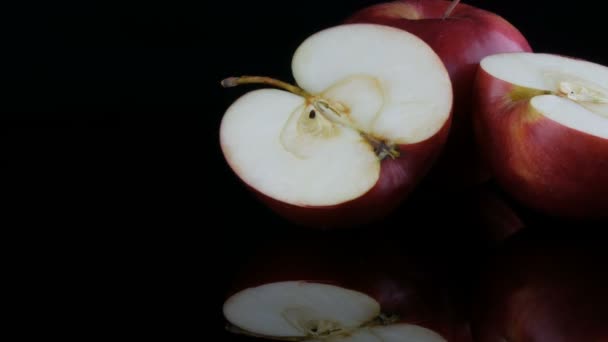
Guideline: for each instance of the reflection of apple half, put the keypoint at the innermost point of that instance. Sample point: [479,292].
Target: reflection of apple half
[308,311]
[542,122]
[358,292]
[369,117]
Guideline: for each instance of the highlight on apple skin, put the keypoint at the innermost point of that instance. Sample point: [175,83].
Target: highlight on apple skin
[462,36]
[313,291]
[544,287]
[369,116]
[542,124]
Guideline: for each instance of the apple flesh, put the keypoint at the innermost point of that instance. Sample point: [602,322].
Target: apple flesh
[544,287]
[542,123]
[370,114]
[462,36]
[310,290]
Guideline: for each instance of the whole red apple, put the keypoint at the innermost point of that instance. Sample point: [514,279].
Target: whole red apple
[461,35]
[541,287]
[542,123]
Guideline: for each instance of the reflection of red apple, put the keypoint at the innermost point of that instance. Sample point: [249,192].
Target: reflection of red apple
[349,291]
[493,216]
[461,39]
[543,125]
[543,287]
[369,117]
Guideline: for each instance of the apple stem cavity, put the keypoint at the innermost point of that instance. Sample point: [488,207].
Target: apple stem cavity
[330,114]
[450,9]
[520,93]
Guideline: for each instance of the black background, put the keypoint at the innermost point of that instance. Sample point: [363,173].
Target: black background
[110,115]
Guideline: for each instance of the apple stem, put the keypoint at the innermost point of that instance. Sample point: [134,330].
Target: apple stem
[450,8]
[234,81]
[381,148]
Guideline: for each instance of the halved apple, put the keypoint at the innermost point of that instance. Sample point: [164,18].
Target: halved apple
[370,115]
[542,123]
[308,290]
[309,311]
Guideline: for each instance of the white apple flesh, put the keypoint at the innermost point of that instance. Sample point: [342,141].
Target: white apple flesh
[367,95]
[542,123]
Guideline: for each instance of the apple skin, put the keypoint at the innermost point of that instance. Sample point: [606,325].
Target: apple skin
[462,40]
[546,166]
[540,287]
[398,178]
[406,285]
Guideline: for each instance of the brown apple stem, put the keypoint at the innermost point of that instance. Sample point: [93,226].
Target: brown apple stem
[234,81]
[450,8]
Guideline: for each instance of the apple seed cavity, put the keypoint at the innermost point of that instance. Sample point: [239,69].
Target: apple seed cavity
[583,92]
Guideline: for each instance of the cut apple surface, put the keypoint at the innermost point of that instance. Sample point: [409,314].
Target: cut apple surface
[573,93]
[309,311]
[366,94]
[400,70]
[298,308]
[267,150]
[542,123]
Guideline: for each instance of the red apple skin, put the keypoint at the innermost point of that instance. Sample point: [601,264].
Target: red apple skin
[403,285]
[398,178]
[544,288]
[544,165]
[462,40]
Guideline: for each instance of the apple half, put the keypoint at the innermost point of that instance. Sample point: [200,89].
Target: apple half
[309,311]
[542,123]
[370,114]
[308,290]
